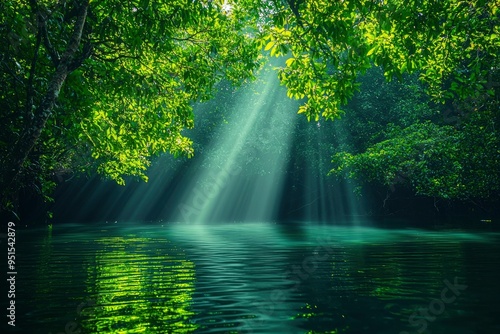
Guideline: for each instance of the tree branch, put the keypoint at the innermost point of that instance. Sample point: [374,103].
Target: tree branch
[32,132]
[42,30]
[12,73]
[77,62]
[30,90]
[53,54]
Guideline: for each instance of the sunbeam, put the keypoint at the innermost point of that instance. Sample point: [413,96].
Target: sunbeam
[242,173]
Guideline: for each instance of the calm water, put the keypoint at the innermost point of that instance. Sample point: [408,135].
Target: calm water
[256,278]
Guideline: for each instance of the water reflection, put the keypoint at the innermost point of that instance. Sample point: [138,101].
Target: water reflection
[139,285]
[254,278]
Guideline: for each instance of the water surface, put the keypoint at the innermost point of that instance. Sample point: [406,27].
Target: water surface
[256,278]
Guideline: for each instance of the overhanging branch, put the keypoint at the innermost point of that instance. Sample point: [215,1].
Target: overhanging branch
[32,131]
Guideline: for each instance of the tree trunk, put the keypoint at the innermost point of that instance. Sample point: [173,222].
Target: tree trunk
[32,132]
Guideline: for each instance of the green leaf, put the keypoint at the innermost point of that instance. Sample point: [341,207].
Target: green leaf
[372,50]
[269,45]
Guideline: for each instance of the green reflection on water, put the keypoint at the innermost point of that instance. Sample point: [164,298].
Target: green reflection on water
[139,289]
[43,269]
[358,280]
[387,280]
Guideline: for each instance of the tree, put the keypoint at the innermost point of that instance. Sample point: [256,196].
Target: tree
[404,140]
[106,85]
[453,45]
[440,161]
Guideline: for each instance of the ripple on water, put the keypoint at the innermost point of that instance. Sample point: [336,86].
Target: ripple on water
[258,277]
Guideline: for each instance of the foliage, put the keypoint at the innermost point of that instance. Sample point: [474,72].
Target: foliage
[380,106]
[442,154]
[104,86]
[122,95]
[442,150]
[452,43]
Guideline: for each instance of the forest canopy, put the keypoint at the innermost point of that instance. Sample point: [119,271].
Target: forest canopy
[105,86]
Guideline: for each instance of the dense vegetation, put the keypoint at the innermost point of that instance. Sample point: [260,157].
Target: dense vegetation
[105,86]
[402,139]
